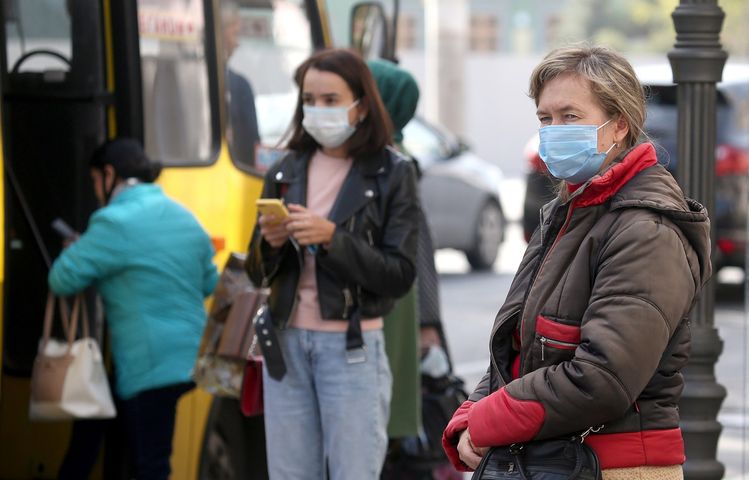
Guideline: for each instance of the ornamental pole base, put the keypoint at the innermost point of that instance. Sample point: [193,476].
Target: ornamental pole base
[699,406]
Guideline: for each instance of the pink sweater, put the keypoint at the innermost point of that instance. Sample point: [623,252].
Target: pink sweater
[325,177]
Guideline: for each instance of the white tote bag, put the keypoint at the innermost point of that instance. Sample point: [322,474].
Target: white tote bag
[68,378]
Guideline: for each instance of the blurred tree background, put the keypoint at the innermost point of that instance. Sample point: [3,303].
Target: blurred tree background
[644,26]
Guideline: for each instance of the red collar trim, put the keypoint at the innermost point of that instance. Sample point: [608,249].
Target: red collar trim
[604,187]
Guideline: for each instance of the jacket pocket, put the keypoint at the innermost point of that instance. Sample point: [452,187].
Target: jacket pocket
[555,341]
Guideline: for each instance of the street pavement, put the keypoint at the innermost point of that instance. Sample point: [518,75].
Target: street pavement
[471,300]
[731,371]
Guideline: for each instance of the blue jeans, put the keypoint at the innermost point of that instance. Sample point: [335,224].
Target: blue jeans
[326,413]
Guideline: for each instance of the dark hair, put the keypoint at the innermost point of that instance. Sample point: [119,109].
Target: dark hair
[374,132]
[128,159]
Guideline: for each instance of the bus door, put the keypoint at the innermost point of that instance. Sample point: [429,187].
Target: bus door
[209,87]
[264,41]
[53,117]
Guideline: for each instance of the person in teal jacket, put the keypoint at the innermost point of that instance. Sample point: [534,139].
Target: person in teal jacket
[152,264]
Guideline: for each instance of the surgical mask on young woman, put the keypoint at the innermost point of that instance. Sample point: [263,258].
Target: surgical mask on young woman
[329,126]
[570,152]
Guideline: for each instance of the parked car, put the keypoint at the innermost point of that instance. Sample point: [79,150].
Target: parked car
[731,156]
[459,193]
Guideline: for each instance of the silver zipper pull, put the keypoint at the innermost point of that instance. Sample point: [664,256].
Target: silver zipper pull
[543,345]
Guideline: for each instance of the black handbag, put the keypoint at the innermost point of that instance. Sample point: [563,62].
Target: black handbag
[440,398]
[555,459]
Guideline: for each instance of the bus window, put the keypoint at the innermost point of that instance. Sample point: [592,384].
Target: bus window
[177,113]
[38,36]
[264,41]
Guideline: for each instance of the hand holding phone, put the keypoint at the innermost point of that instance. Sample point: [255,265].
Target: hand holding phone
[273,212]
[309,229]
[63,229]
[272,207]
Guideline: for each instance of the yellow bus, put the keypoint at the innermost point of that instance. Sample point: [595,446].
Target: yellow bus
[207,86]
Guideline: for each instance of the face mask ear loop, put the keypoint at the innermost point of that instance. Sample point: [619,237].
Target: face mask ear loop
[613,144]
[108,193]
[108,196]
[361,117]
[604,124]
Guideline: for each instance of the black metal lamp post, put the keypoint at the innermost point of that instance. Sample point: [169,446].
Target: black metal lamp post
[697,62]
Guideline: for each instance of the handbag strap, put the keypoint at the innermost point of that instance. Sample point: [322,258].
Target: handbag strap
[253,346]
[49,313]
[74,322]
[79,312]
[84,316]
[269,346]
[260,307]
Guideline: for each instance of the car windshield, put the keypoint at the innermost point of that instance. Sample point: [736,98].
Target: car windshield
[661,125]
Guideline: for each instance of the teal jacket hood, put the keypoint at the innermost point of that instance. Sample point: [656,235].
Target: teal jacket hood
[399,93]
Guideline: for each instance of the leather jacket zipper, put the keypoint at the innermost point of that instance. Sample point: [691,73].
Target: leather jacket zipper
[348,298]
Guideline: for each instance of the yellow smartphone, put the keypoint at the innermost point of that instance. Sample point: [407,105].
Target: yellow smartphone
[272,206]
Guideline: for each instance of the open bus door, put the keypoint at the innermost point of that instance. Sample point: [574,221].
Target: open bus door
[54,102]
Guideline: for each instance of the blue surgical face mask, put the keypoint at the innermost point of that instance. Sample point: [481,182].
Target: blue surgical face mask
[570,152]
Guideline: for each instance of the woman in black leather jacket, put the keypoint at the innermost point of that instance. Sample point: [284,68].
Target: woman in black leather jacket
[335,266]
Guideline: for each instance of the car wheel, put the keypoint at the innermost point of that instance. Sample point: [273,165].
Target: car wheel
[487,237]
[233,445]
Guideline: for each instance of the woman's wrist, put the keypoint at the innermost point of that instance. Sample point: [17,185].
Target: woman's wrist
[331,232]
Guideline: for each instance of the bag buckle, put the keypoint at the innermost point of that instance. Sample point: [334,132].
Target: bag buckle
[516,448]
[589,431]
[356,355]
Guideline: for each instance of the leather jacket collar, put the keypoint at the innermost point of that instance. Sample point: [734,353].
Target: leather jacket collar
[359,188]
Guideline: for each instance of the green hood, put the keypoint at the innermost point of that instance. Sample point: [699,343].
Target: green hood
[399,93]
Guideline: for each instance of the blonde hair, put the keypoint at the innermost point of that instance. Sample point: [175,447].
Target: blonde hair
[612,79]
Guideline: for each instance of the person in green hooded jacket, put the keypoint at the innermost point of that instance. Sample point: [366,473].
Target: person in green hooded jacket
[400,94]
[414,326]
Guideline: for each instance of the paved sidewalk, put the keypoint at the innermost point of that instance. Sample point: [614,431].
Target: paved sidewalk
[731,371]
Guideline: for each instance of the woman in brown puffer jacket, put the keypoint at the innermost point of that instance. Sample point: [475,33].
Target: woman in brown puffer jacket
[594,330]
